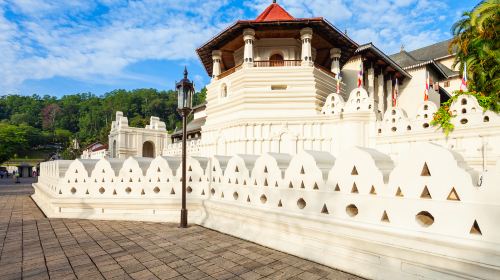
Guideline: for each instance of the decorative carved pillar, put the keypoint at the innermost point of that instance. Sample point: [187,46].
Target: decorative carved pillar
[380,92]
[389,94]
[248,37]
[306,38]
[335,56]
[216,59]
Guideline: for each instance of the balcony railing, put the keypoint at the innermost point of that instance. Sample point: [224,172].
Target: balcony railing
[274,63]
[277,63]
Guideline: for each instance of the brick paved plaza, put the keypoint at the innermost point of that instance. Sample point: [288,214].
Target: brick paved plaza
[34,247]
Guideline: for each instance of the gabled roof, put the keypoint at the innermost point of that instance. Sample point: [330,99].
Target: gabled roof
[434,51]
[274,13]
[426,56]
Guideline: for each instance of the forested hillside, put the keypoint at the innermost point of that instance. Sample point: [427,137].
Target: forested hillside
[31,123]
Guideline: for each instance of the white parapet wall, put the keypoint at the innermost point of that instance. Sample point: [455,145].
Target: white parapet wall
[426,215]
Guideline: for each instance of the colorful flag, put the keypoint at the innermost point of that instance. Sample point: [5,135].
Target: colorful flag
[339,78]
[426,92]
[463,85]
[395,93]
[360,74]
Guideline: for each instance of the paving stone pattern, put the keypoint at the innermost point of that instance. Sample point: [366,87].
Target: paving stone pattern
[34,247]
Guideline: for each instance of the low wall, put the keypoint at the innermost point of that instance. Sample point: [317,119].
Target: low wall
[425,217]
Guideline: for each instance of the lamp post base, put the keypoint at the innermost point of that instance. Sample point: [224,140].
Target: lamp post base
[184,217]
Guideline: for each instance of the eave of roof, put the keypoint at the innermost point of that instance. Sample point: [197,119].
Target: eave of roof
[383,56]
[429,62]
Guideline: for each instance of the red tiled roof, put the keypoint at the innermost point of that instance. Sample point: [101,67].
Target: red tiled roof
[274,13]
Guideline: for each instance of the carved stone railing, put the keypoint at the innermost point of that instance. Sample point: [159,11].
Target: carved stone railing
[420,218]
[175,149]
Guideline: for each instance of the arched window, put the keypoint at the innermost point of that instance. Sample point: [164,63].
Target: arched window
[276,60]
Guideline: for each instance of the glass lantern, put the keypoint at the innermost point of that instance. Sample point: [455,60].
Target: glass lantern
[185,92]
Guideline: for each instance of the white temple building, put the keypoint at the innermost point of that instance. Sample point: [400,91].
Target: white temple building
[355,178]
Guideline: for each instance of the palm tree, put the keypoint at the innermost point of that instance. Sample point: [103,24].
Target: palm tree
[476,41]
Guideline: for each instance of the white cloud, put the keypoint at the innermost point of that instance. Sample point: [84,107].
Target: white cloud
[97,39]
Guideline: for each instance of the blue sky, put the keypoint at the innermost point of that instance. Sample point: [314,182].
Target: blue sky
[60,47]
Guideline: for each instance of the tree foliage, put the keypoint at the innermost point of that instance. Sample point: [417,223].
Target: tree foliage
[476,42]
[30,121]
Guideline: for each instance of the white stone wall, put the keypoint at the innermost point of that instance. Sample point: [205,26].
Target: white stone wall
[421,216]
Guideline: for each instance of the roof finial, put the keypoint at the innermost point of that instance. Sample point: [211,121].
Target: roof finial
[274,1]
[402,47]
[185,72]
[345,31]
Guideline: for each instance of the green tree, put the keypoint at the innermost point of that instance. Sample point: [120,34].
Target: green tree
[476,42]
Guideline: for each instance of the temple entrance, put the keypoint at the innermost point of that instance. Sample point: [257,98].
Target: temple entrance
[148,149]
[276,60]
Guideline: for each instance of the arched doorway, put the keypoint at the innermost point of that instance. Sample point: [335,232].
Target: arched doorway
[148,149]
[276,60]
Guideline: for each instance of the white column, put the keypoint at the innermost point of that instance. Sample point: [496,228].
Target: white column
[306,38]
[389,94]
[216,59]
[335,56]
[371,83]
[248,37]
[380,92]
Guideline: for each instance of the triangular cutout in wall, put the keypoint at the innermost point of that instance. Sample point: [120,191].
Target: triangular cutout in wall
[276,184]
[302,186]
[324,210]
[354,188]
[142,192]
[372,190]
[290,185]
[399,192]
[190,169]
[385,218]
[222,195]
[248,198]
[453,195]
[203,192]
[337,188]
[265,182]
[280,204]
[236,169]
[265,169]
[302,170]
[426,194]
[354,171]
[475,229]
[425,170]
[315,186]
[172,191]
[114,192]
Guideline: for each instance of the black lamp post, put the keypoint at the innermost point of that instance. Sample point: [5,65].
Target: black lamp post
[185,92]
